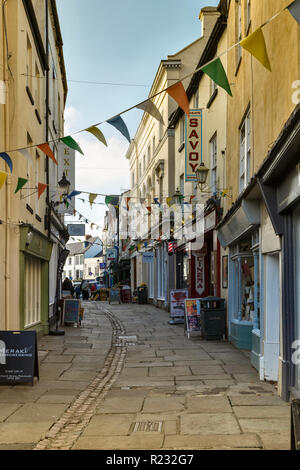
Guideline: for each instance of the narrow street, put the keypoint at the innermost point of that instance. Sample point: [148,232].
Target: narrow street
[126,379]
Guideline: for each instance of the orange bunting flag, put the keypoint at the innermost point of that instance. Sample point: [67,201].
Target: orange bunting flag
[47,151]
[177,92]
[41,189]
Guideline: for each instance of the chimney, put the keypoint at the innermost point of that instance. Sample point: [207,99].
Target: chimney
[208,16]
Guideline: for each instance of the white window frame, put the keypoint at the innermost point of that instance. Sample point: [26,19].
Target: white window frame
[245,151]
[213,150]
[33,275]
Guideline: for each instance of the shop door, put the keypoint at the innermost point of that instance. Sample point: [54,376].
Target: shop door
[272,317]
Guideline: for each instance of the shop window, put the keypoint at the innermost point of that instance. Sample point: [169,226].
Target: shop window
[32,292]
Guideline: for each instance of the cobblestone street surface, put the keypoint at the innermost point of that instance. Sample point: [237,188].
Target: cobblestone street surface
[126,379]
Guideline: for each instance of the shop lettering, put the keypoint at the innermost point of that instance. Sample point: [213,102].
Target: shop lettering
[194,156]
[2,353]
[193,145]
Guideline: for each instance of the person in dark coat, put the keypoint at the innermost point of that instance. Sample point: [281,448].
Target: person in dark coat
[67,285]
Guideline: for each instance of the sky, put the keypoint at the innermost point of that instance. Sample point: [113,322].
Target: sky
[118,46]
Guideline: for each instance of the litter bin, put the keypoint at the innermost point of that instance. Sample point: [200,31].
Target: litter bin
[142,294]
[295,425]
[213,318]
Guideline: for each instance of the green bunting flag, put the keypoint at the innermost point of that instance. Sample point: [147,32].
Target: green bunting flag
[21,183]
[113,200]
[70,142]
[216,72]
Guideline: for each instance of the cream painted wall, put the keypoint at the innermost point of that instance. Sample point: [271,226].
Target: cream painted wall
[21,121]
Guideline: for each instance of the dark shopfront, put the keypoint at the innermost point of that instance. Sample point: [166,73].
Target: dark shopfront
[279,180]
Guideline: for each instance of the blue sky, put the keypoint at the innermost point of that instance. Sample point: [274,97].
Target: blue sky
[121,42]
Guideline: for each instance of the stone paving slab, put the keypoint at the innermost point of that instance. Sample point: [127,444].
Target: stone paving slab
[136,442]
[216,441]
[27,433]
[204,404]
[209,423]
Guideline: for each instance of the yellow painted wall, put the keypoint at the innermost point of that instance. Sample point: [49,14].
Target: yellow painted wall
[271,100]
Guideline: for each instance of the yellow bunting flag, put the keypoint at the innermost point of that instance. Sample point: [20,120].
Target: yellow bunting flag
[47,151]
[169,199]
[97,133]
[92,198]
[3,177]
[256,45]
[177,92]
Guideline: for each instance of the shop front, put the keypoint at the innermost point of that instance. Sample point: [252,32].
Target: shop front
[35,254]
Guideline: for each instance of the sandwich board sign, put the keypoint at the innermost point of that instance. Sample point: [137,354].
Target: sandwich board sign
[192,317]
[71,311]
[18,357]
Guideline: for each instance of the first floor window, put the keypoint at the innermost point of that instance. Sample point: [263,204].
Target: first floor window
[245,152]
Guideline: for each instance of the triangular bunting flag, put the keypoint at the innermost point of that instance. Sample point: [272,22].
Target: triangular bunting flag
[41,189]
[256,45]
[150,108]
[92,198]
[73,194]
[168,200]
[7,158]
[294,10]
[70,142]
[113,200]
[27,155]
[97,133]
[120,125]
[216,72]
[47,151]
[21,183]
[3,177]
[177,92]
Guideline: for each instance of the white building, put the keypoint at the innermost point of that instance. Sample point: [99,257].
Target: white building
[82,259]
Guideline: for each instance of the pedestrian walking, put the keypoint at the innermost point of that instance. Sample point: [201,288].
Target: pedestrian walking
[68,286]
[84,287]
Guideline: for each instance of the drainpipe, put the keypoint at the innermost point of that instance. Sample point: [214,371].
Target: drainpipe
[8,180]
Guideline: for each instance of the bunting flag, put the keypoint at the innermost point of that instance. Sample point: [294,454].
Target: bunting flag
[21,183]
[47,151]
[169,200]
[113,200]
[41,189]
[294,10]
[216,72]
[256,45]
[8,160]
[127,202]
[92,226]
[73,194]
[156,201]
[70,142]
[3,177]
[177,92]
[191,198]
[120,125]
[26,154]
[97,133]
[150,108]
[92,198]
[149,208]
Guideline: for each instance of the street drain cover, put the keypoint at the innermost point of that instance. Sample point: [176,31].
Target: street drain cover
[148,426]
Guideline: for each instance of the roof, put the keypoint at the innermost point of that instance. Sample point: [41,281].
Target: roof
[79,248]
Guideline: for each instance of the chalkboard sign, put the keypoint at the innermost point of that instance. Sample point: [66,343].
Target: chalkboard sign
[18,357]
[114,295]
[192,316]
[71,311]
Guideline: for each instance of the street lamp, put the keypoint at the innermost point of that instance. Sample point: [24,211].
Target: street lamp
[201,175]
[64,185]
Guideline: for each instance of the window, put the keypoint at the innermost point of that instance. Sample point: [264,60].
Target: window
[77,260]
[153,145]
[245,151]
[81,259]
[247,16]
[196,99]
[140,169]
[38,87]
[132,179]
[182,130]
[144,161]
[77,274]
[37,178]
[70,274]
[32,291]
[213,164]
[70,260]
[238,31]
[149,154]
[29,64]
[161,129]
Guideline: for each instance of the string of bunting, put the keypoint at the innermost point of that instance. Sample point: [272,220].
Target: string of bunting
[254,43]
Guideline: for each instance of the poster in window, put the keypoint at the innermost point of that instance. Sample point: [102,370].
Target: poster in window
[225,272]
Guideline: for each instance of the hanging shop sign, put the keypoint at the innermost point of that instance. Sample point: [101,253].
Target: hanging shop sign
[177,306]
[76,230]
[18,357]
[66,165]
[193,143]
[199,274]
[111,254]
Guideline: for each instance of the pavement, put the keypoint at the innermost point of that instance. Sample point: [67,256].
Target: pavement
[126,379]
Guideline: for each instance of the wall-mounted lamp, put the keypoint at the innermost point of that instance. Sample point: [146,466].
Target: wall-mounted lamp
[201,175]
